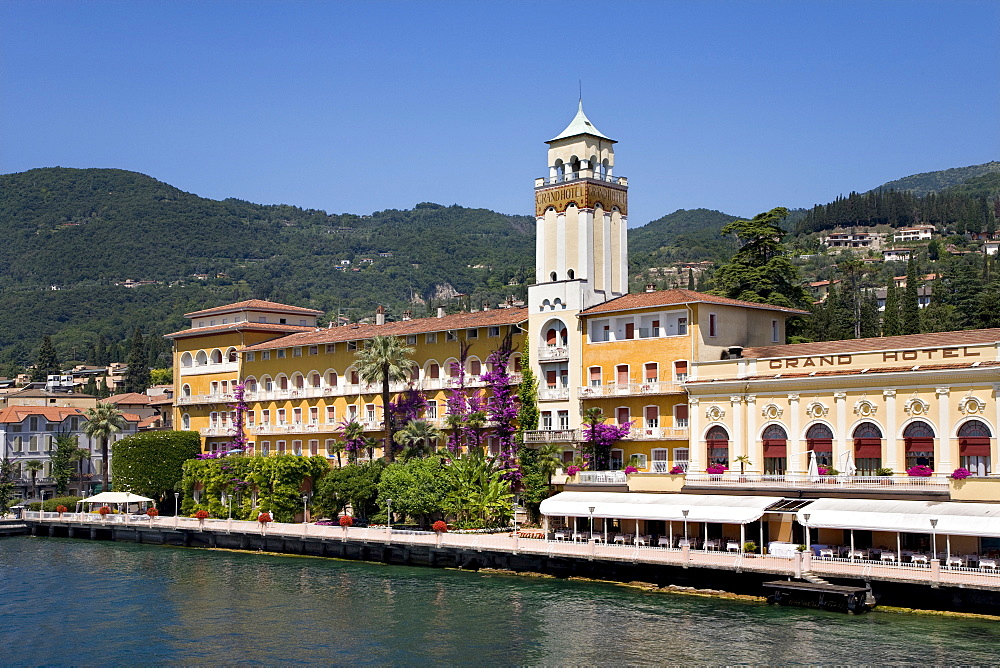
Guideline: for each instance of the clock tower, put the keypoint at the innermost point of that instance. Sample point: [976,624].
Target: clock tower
[581,259]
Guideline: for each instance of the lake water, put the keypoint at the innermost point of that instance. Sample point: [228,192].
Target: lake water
[78,602]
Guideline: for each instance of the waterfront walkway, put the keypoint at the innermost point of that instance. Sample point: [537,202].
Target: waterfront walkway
[932,573]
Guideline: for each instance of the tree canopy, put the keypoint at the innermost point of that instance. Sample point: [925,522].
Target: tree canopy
[151,463]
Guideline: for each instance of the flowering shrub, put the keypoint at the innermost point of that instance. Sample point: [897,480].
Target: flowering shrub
[346,520]
[631,469]
[677,470]
[264,518]
[153,512]
[920,471]
[440,526]
[201,514]
[716,469]
[827,470]
[63,509]
[104,510]
[572,470]
[961,474]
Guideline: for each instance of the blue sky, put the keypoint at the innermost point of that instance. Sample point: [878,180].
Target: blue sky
[363,106]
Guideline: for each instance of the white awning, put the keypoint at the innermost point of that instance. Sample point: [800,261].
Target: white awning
[115,497]
[667,507]
[957,519]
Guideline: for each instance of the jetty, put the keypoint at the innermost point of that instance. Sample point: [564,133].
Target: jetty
[820,595]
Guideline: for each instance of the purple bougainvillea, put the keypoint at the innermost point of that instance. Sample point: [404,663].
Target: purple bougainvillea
[501,407]
[600,437]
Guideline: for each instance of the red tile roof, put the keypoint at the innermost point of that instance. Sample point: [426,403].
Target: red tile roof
[128,398]
[254,305]
[493,317]
[238,327]
[857,372]
[937,339]
[675,297]
[13,414]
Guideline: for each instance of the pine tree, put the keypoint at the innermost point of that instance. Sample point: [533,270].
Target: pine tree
[90,387]
[890,319]
[909,311]
[869,325]
[47,362]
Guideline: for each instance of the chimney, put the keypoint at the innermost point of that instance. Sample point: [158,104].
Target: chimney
[650,287]
[380,315]
[440,311]
[735,352]
[407,314]
[486,306]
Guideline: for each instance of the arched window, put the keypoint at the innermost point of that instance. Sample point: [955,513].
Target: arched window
[331,378]
[216,356]
[867,448]
[186,360]
[267,383]
[819,439]
[201,359]
[231,355]
[570,274]
[186,422]
[775,441]
[298,382]
[919,439]
[717,439]
[553,276]
[551,337]
[314,379]
[475,367]
[250,384]
[186,390]
[974,447]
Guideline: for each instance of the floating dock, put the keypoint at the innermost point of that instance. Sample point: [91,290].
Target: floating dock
[850,599]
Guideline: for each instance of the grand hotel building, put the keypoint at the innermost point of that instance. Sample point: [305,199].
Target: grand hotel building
[702,379]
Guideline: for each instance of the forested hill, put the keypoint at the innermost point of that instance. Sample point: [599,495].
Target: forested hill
[678,237]
[933,182]
[82,230]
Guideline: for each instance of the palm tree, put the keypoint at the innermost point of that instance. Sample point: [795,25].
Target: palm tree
[417,438]
[33,466]
[743,461]
[549,459]
[103,420]
[338,448]
[353,433]
[384,360]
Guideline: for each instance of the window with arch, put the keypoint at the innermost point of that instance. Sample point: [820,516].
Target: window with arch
[867,448]
[216,356]
[331,378]
[201,358]
[974,447]
[185,390]
[717,440]
[231,355]
[267,383]
[186,422]
[433,370]
[298,382]
[186,360]
[918,437]
[315,380]
[553,276]
[282,382]
[250,384]
[570,274]
[819,439]
[775,441]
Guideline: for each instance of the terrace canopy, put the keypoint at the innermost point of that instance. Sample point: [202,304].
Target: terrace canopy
[957,519]
[115,497]
[716,509]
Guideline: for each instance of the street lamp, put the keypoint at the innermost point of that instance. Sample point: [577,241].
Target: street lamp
[513,517]
[805,517]
[934,554]
[177,502]
[592,522]
[305,500]
[685,514]
[388,513]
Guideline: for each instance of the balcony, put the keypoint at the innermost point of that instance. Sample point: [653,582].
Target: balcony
[553,353]
[825,484]
[602,478]
[648,388]
[657,433]
[589,174]
[201,369]
[553,394]
[215,431]
[205,399]
[552,436]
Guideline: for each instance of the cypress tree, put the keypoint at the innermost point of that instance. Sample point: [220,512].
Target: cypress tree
[690,278]
[890,319]
[47,362]
[137,374]
[869,325]
[910,308]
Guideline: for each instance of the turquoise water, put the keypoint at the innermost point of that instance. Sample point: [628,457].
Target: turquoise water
[79,602]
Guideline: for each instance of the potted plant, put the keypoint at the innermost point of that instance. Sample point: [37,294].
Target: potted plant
[264,518]
[920,471]
[346,521]
[749,548]
[743,461]
[152,513]
[104,511]
[572,470]
[800,548]
[677,470]
[61,510]
[631,469]
[201,516]
[715,471]
[961,474]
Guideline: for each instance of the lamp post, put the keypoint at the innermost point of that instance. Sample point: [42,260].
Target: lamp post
[513,517]
[388,513]
[305,501]
[685,514]
[934,538]
[177,503]
[229,502]
[592,522]
[805,517]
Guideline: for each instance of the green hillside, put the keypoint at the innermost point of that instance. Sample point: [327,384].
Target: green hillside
[82,230]
[931,182]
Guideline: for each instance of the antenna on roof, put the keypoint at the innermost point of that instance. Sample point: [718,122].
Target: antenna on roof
[580,81]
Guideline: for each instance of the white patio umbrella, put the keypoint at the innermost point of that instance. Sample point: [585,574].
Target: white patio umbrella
[846,461]
[813,472]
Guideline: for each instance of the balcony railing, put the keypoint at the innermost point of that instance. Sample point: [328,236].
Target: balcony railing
[552,353]
[831,483]
[630,389]
[200,369]
[657,433]
[553,393]
[552,436]
[215,431]
[205,399]
[582,174]
[602,478]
